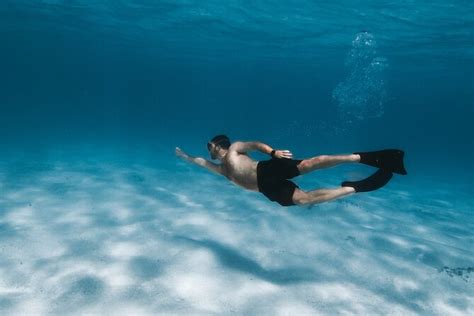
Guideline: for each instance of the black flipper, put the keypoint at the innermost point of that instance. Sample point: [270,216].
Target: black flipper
[373,182]
[388,159]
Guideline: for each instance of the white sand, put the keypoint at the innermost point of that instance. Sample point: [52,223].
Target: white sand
[128,239]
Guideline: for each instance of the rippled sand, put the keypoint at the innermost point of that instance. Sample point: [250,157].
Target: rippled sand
[97,237]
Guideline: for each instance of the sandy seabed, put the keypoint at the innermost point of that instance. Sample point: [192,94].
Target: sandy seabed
[122,239]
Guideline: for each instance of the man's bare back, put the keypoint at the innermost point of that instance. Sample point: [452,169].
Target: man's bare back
[240,168]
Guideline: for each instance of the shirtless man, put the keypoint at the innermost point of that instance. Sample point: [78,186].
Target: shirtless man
[270,177]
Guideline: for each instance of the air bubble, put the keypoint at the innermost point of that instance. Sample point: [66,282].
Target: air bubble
[362,94]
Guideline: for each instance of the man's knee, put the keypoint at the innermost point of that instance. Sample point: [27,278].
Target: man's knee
[314,160]
[300,197]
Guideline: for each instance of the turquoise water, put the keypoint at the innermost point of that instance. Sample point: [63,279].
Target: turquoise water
[97,215]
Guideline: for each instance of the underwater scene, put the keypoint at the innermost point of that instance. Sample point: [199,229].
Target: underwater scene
[112,111]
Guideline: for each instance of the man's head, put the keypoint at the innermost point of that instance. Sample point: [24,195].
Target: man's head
[217,144]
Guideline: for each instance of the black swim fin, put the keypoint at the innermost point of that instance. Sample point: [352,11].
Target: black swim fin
[388,159]
[373,182]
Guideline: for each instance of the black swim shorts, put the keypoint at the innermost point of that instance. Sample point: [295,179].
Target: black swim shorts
[272,179]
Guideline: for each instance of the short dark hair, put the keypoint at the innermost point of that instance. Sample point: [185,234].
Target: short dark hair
[222,140]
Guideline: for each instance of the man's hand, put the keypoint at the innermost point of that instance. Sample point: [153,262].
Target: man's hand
[199,161]
[181,153]
[283,154]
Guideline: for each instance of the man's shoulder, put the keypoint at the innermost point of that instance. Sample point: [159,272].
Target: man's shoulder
[237,143]
[241,146]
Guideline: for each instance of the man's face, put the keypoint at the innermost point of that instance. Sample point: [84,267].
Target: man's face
[212,150]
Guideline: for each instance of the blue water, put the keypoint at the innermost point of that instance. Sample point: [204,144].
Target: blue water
[98,215]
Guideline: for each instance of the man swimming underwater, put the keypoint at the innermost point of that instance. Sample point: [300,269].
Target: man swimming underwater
[270,177]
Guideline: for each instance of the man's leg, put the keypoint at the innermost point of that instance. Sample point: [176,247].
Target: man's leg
[318,196]
[325,161]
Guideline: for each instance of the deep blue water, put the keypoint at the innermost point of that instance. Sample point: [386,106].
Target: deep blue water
[176,73]
[127,81]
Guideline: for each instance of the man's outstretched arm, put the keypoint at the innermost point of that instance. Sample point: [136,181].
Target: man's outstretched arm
[244,147]
[199,161]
